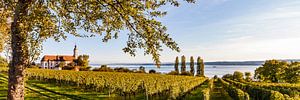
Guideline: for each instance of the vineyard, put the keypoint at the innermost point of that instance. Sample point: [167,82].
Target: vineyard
[158,86]
[125,84]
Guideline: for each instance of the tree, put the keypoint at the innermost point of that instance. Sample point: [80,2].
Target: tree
[83,61]
[142,69]
[176,65]
[200,67]
[152,71]
[292,73]
[54,19]
[192,65]
[271,70]
[238,76]
[248,76]
[61,65]
[183,66]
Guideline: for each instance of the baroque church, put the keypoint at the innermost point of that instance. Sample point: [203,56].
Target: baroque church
[52,61]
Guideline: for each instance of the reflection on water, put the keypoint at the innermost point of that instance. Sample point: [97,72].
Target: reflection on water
[210,70]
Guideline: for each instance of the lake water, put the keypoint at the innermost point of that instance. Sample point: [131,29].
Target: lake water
[209,70]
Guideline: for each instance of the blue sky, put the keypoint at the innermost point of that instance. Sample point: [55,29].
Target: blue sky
[217,30]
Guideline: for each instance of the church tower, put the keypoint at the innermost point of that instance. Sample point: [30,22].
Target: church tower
[75,52]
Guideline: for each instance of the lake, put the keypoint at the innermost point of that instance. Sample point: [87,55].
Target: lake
[209,70]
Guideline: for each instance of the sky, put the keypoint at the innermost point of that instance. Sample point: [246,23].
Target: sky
[216,30]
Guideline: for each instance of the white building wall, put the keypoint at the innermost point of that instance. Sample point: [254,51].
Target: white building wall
[52,64]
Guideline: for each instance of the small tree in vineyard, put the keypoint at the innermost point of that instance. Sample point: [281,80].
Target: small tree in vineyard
[183,66]
[176,65]
[192,65]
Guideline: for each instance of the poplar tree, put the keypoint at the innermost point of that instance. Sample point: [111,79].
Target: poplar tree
[198,66]
[44,19]
[192,65]
[176,65]
[183,65]
[201,67]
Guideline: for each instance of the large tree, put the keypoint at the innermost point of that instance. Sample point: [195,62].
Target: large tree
[292,73]
[271,70]
[43,19]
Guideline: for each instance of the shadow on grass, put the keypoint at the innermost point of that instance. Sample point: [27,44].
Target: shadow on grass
[62,94]
[39,92]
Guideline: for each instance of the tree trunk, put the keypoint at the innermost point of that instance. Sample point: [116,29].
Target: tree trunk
[16,90]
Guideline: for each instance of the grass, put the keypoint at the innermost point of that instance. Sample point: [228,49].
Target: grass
[37,90]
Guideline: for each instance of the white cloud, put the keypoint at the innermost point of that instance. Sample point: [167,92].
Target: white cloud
[269,34]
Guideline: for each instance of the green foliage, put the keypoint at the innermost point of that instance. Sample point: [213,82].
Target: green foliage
[3,62]
[123,83]
[122,69]
[48,19]
[173,73]
[183,64]
[142,69]
[4,69]
[228,76]
[152,71]
[61,64]
[279,71]
[83,61]
[34,21]
[275,95]
[235,93]
[292,90]
[292,73]
[192,65]
[238,76]
[200,67]
[4,29]
[176,65]
[207,91]
[103,68]
[248,76]
[68,67]
[261,93]
[271,70]
[85,68]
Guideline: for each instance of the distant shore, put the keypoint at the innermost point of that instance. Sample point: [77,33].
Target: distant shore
[206,63]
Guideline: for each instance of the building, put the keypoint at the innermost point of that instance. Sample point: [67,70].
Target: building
[52,61]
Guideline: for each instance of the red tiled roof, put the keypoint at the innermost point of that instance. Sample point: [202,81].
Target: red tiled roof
[57,58]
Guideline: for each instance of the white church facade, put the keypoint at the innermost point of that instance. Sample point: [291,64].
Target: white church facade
[52,61]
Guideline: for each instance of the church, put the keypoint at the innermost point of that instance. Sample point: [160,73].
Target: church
[52,61]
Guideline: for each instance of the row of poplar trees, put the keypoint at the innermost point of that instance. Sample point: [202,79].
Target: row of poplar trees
[200,65]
